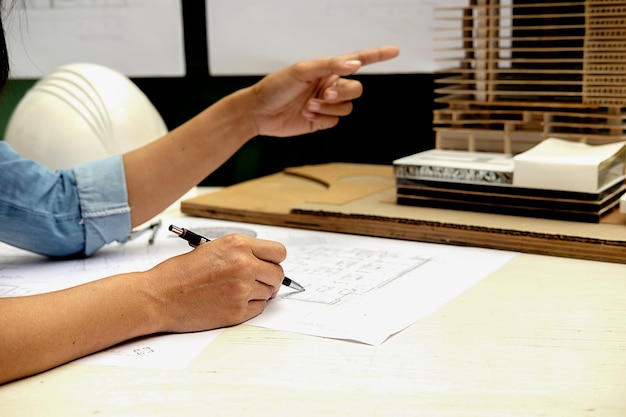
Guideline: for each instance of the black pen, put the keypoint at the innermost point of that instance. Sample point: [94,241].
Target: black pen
[195,239]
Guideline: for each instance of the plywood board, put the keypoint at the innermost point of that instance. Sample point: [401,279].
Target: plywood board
[360,199]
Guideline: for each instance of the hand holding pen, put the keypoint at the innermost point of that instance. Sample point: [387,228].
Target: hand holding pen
[195,240]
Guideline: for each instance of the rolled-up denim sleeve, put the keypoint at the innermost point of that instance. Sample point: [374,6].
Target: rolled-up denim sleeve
[62,213]
[103,202]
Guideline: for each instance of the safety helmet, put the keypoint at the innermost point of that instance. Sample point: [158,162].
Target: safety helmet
[79,113]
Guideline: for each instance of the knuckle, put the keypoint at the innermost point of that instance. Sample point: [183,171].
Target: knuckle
[237,244]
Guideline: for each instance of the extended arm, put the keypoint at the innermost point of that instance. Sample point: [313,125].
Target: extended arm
[299,99]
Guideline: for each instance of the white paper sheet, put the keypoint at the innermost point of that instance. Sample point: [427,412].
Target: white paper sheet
[169,351]
[134,37]
[357,288]
[366,289]
[250,37]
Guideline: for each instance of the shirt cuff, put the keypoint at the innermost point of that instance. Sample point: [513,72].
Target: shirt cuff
[104,202]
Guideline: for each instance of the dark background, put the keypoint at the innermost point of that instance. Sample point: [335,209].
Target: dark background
[392,119]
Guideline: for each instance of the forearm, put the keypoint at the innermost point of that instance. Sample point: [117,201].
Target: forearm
[165,169]
[42,331]
[220,283]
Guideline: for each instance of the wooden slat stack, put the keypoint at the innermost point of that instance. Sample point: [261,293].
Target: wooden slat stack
[526,70]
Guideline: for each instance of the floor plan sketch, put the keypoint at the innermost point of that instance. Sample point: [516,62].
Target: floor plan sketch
[339,275]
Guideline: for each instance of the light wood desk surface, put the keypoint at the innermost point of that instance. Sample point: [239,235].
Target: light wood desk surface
[543,336]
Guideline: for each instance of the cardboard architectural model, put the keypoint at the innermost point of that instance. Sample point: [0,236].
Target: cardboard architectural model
[521,71]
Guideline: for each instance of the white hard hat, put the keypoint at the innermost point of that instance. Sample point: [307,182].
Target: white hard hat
[79,113]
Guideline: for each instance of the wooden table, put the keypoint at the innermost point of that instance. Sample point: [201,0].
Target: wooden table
[543,336]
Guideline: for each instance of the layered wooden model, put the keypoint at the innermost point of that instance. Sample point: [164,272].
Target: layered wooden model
[521,71]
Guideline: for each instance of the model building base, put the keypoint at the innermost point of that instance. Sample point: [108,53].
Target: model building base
[487,182]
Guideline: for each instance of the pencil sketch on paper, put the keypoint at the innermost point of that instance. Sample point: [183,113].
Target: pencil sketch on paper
[12,290]
[74,4]
[338,275]
[130,350]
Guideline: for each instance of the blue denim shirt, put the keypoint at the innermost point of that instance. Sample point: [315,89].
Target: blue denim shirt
[62,213]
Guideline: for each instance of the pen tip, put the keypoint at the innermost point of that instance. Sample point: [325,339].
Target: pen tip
[175,229]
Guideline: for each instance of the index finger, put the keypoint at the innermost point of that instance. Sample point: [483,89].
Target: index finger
[342,65]
[371,56]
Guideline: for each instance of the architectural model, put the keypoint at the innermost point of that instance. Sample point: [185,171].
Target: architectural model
[521,71]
